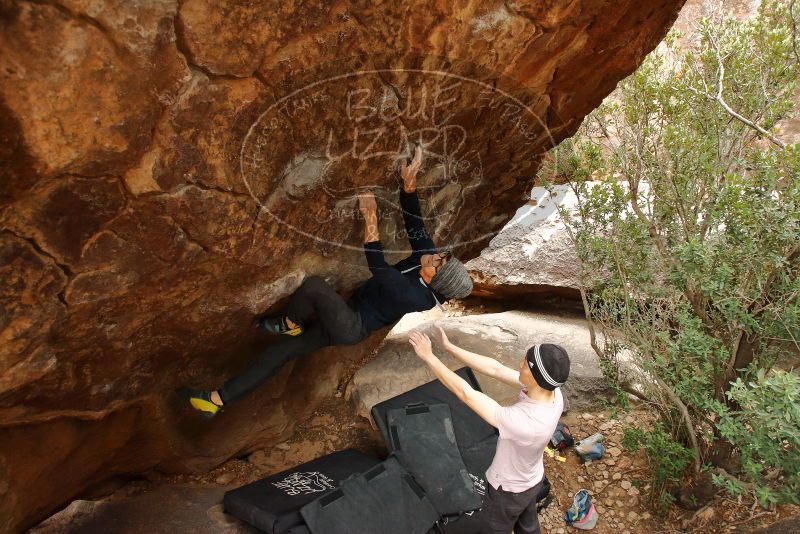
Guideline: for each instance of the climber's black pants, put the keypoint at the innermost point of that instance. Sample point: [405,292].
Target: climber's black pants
[327,319]
[504,511]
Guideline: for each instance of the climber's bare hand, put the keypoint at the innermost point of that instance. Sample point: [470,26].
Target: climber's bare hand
[437,332]
[409,172]
[422,345]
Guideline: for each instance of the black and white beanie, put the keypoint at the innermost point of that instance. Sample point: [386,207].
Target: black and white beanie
[549,365]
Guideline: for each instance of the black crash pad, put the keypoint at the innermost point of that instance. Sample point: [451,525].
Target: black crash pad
[273,504]
[476,439]
[382,500]
[478,458]
[469,428]
[424,441]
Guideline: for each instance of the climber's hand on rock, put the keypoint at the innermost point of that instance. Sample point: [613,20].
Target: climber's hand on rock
[367,204]
[409,172]
[421,344]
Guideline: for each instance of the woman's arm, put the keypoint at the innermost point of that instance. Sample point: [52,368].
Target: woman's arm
[480,403]
[483,364]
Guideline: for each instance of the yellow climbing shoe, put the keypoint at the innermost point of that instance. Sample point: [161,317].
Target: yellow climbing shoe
[277,325]
[200,400]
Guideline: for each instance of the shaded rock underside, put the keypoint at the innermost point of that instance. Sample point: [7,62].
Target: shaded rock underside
[168,170]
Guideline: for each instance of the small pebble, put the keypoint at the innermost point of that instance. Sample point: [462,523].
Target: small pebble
[625,484]
[225,478]
[632,516]
[616,476]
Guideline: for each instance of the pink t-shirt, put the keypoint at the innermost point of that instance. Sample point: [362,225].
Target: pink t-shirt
[525,428]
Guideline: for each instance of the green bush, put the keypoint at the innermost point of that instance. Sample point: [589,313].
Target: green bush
[766,430]
[688,231]
[666,457]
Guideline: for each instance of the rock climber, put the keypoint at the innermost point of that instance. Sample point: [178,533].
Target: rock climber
[316,316]
[515,477]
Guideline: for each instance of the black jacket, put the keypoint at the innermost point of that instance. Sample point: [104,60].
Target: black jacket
[391,293]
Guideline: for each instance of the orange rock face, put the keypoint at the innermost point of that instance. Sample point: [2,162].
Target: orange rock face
[167,171]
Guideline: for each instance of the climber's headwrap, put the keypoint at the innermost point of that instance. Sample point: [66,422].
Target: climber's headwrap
[452,280]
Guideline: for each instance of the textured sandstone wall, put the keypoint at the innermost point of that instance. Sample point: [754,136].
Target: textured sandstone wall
[169,169]
[533,257]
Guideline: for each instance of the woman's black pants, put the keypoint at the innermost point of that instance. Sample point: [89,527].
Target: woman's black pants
[504,511]
[327,319]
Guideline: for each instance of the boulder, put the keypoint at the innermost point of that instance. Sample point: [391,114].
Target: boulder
[504,336]
[533,257]
[170,169]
